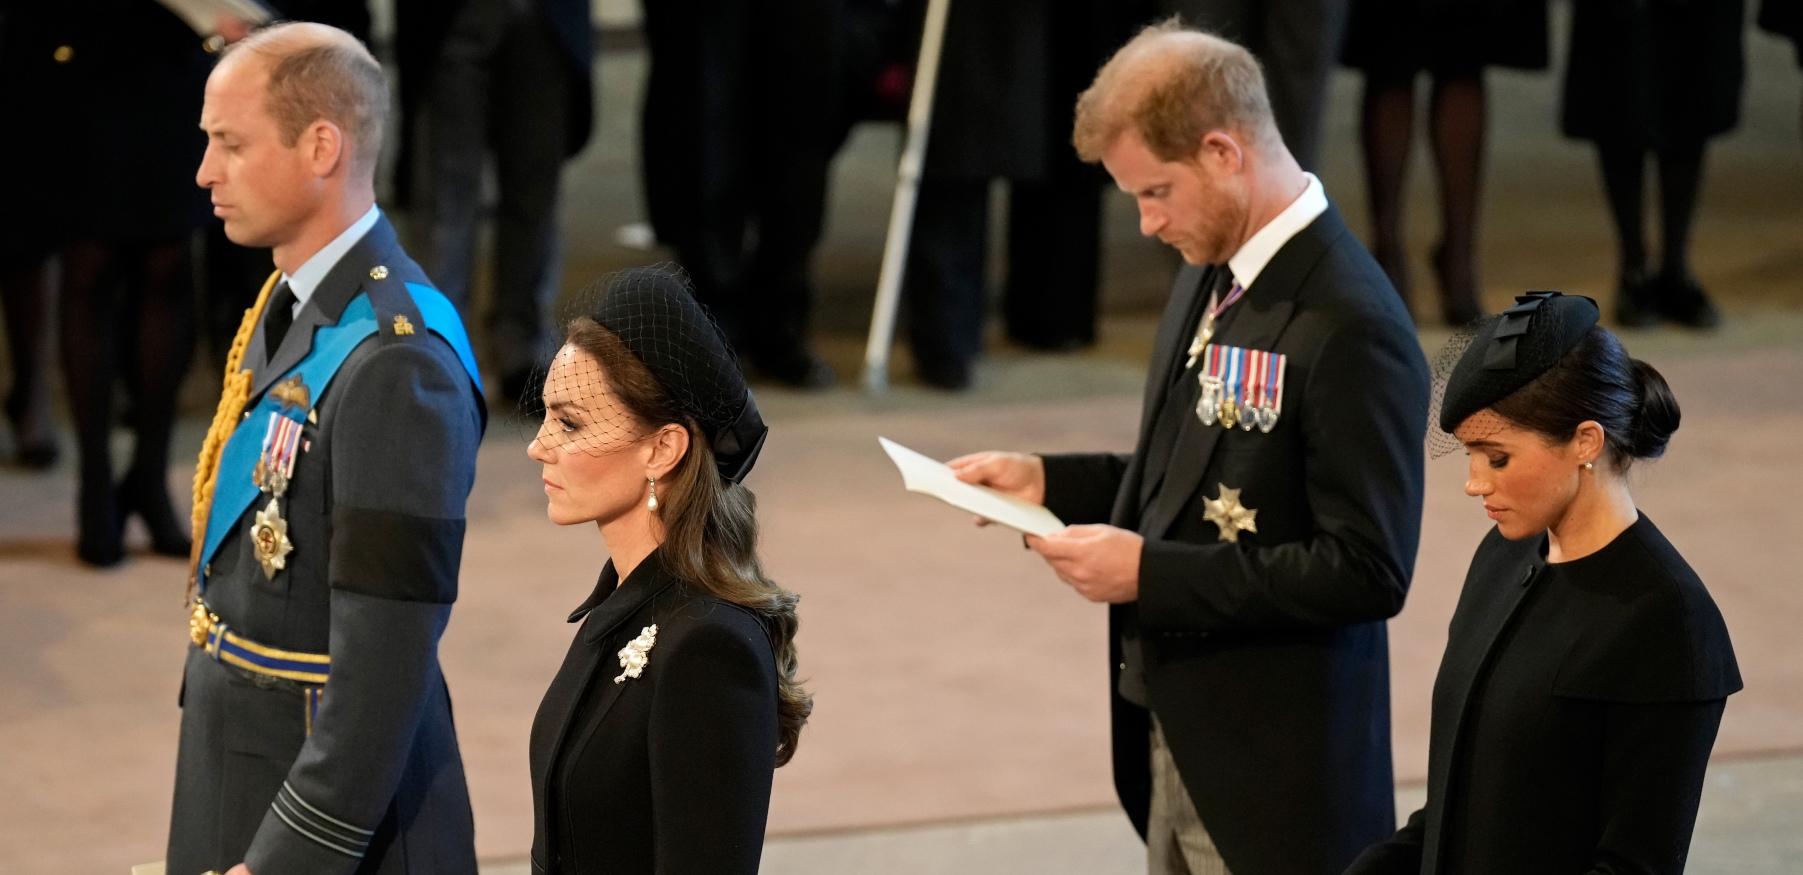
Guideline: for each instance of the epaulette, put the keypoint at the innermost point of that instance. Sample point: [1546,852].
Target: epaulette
[396,313]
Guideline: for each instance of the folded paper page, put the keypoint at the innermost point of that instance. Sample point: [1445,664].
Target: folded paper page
[928,477]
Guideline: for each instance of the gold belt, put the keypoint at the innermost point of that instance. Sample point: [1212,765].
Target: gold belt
[208,632]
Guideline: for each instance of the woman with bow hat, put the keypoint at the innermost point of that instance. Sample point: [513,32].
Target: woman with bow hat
[1586,666]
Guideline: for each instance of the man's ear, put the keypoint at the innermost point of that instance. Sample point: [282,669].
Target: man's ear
[669,445]
[1221,151]
[326,147]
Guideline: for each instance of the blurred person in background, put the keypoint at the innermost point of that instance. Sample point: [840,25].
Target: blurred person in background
[1659,79]
[29,67]
[502,86]
[1394,42]
[1008,77]
[116,85]
[743,111]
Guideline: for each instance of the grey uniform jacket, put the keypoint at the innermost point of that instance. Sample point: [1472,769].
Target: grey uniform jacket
[368,778]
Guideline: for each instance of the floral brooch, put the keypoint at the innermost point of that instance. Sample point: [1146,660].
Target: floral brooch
[637,654]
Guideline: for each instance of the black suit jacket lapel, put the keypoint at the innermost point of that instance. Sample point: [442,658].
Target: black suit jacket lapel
[1265,313]
[602,614]
[1175,331]
[341,284]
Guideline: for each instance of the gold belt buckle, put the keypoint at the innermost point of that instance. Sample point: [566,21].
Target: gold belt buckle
[200,623]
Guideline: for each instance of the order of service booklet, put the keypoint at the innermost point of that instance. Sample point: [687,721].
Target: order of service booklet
[927,476]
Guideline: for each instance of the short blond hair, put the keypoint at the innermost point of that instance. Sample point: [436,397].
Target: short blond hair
[1172,85]
[317,72]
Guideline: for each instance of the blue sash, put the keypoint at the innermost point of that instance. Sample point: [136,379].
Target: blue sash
[234,492]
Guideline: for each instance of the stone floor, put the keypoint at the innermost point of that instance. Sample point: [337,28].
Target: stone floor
[960,723]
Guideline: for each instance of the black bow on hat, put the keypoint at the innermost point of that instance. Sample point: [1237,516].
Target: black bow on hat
[1510,350]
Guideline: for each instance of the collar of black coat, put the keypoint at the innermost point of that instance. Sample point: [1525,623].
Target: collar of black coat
[1283,276]
[614,600]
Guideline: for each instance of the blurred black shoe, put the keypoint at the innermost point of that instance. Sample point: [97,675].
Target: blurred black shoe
[100,525]
[794,368]
[34,447]
[1682,300]
[1634,303]
[147,496]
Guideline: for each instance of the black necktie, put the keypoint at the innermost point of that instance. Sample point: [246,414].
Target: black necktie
[278,315]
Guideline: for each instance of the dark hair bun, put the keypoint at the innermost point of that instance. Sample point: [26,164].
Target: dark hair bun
[1655,417]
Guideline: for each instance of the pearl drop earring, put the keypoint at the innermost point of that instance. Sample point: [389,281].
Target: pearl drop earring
[651,503]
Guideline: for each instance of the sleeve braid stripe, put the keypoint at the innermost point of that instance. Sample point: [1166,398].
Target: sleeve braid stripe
[306,820]
[349,830]
[277,807]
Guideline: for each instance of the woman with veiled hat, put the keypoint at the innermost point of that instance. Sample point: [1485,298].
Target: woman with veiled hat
[654,747]
[1586,666]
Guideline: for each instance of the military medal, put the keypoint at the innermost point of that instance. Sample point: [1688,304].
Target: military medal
[1205,330]
[274,470]
[1271,405]
[1229,412]
[1228,515]
[1210,377]
[1250,389]
[281,444]
[269,537]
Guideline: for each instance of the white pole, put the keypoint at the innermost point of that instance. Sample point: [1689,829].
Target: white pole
[907,191]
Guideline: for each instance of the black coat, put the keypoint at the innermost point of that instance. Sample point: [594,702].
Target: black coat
[1266,660]
[1008,82]
[1573,715]
[669,771]
[103,100]
[1654,73]
[421,27]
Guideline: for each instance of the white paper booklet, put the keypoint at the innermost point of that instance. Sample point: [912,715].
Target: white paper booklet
[928,477]
[203,15]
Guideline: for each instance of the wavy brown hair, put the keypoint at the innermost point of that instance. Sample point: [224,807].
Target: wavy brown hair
[710,523]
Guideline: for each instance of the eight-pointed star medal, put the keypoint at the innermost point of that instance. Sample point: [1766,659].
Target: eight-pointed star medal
[1228,515]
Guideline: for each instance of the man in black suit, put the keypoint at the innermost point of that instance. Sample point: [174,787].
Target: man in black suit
[1265,525]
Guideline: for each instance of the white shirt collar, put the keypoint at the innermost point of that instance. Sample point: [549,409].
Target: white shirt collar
[312,272]
[1258,251]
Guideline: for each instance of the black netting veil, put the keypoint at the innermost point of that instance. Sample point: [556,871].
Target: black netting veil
[653,311]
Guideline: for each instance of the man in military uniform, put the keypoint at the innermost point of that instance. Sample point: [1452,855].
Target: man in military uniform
[316,723]
[1265,526]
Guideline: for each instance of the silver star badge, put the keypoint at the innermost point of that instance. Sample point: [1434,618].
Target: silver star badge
[269,538]
[1228,515]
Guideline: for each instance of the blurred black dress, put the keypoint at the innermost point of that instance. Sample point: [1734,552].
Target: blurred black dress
[1445,36]
[1654,73]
